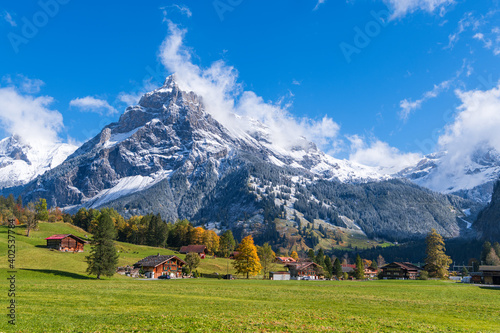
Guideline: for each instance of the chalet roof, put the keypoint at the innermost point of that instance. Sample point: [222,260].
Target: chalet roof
[489,268]
[286,259]
[57,237]
[347,269]
[404,265]
[156,260]
[193,248]
[301,265]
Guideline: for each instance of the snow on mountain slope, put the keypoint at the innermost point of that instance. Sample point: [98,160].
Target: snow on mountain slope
[472,179]
[20,163]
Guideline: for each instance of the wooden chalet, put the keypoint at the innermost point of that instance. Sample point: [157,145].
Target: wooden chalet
[200,249]
[370,272]
[157,265]
[491,274]
[304,270]
[285,260]
[400,271]
[65,243]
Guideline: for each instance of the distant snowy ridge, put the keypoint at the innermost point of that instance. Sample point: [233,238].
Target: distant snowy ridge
[21,163]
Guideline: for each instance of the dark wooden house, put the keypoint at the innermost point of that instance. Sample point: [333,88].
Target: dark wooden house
[65,243]
[304,270]
[491,274]
[200,249]
[157,265]
[400,271]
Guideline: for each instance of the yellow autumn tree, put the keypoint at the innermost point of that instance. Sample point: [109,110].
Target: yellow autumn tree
[437,262]
[197,236]
[247,261]
[211,241]
[294,255]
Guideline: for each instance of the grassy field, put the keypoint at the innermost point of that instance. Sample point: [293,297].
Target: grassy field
[55,295]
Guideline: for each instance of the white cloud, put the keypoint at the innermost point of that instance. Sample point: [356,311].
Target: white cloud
[133,97]
[296,82]
[23,83]
[92,104]
[29,117]
[379,154]
[181,8]
[401,8]
[184,10]
[224,98]
[475,127]
[9,19]
[408,106]
[319,3]
[466,22]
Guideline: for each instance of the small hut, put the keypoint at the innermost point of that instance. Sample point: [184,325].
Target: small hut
[65,243]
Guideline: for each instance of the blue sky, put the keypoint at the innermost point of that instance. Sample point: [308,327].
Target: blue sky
[387,74]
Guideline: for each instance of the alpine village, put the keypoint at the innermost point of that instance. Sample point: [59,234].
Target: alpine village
[250,166]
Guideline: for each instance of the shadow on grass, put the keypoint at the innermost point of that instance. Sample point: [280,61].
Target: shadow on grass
[61,273]
[497,288]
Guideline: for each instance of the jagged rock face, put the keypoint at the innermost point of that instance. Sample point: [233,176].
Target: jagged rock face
[488,222]
[168,155]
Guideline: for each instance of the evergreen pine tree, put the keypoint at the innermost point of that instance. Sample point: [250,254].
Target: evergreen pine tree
[337,268]
[103,257]
[360,268]
[310,254]
[320,258]
[227,244]
[486,250]
[328,266]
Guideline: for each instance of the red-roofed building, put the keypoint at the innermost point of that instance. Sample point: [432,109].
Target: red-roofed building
[285,260]
[65,243]
[200,249]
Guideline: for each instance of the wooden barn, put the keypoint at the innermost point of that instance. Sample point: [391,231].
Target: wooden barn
[304,270]
[400,271]
[200,249]
[157,265]
[65,243]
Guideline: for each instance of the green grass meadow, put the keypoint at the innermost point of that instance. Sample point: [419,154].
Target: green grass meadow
[54,294]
